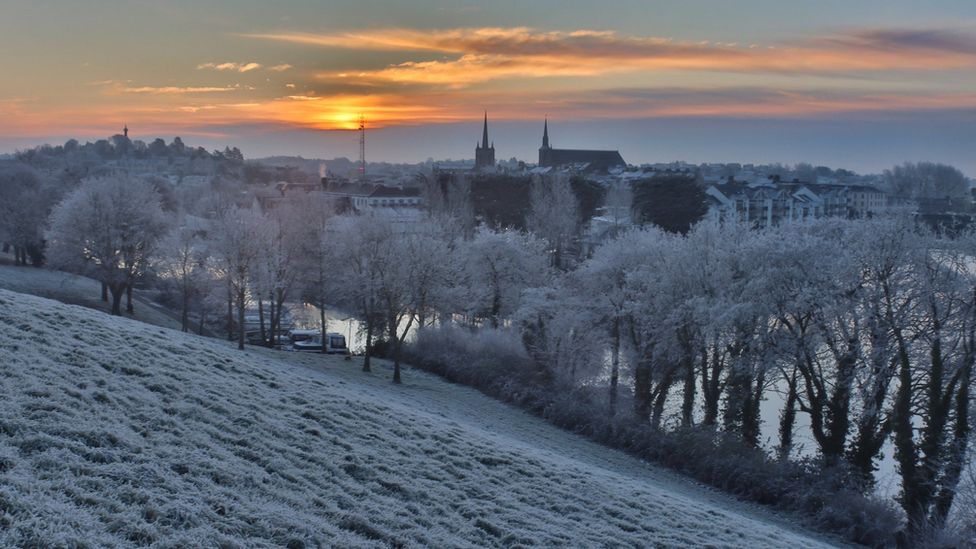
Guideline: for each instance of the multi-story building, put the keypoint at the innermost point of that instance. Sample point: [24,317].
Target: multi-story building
[773,202]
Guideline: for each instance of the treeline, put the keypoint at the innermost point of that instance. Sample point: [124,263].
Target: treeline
[120,146]
[667,345]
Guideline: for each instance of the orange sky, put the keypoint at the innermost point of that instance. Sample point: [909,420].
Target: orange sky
[209,70]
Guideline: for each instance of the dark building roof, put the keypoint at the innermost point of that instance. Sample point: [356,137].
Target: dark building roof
[349,188]
[595,161]
[394,192]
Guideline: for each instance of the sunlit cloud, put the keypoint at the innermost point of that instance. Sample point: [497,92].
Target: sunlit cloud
[181,114]
[236,67]
[483,54]
[177,90]
[443,75]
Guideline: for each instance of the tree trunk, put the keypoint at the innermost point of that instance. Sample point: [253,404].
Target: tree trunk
[264,340]
[128,299]
[711,384]
[395,343]
[687,367]
[660,398]
[230,312]
[787,420]
[322,326]
[368,351]
[642,388]
[105,292]
[752,422]
[905,441]
[240,319]
[614,365]
[957,447]
[496,303]
[276,320]
[272,320]
[117,291]
[185,312]
[872,427]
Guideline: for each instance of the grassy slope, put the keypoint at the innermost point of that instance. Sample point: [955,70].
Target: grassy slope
[77,290]
[116,433]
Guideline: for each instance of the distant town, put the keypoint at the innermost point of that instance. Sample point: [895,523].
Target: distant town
[759,195]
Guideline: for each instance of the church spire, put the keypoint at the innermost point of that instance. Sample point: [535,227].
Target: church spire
[484,155]
[545,134]
[484,136]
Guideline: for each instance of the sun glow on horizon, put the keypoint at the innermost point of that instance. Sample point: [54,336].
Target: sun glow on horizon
[253,75]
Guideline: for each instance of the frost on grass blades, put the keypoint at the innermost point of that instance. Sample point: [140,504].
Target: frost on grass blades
[153,437]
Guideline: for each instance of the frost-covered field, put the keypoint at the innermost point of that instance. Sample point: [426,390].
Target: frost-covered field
[78,290]
[115,433]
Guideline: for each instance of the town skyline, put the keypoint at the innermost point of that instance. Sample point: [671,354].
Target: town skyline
[757,82]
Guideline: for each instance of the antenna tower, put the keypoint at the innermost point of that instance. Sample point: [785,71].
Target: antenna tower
[362,148]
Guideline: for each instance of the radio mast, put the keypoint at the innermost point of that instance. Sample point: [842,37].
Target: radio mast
[362,148]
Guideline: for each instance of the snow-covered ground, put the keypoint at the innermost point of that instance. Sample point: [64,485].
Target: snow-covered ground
[118,433]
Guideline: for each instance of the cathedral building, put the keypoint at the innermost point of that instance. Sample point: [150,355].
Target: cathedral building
[593,160]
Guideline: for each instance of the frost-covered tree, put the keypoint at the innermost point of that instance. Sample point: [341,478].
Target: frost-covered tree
[604,281]
[183,261]
[497,268]
[554,217]
[936,352]
[317,255]
[926,180]
[556,331]
[360,245]
[279,266]
[109,229]
[408,268]
[240,237]
[25,203]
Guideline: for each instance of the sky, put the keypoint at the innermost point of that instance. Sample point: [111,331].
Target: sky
[855,84]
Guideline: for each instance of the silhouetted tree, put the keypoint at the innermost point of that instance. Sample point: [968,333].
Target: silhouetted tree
[673,202]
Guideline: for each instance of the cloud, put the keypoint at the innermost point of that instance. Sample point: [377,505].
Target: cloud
[490,53]
[934,39]
[176,90]
[230,66]
[446,75]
